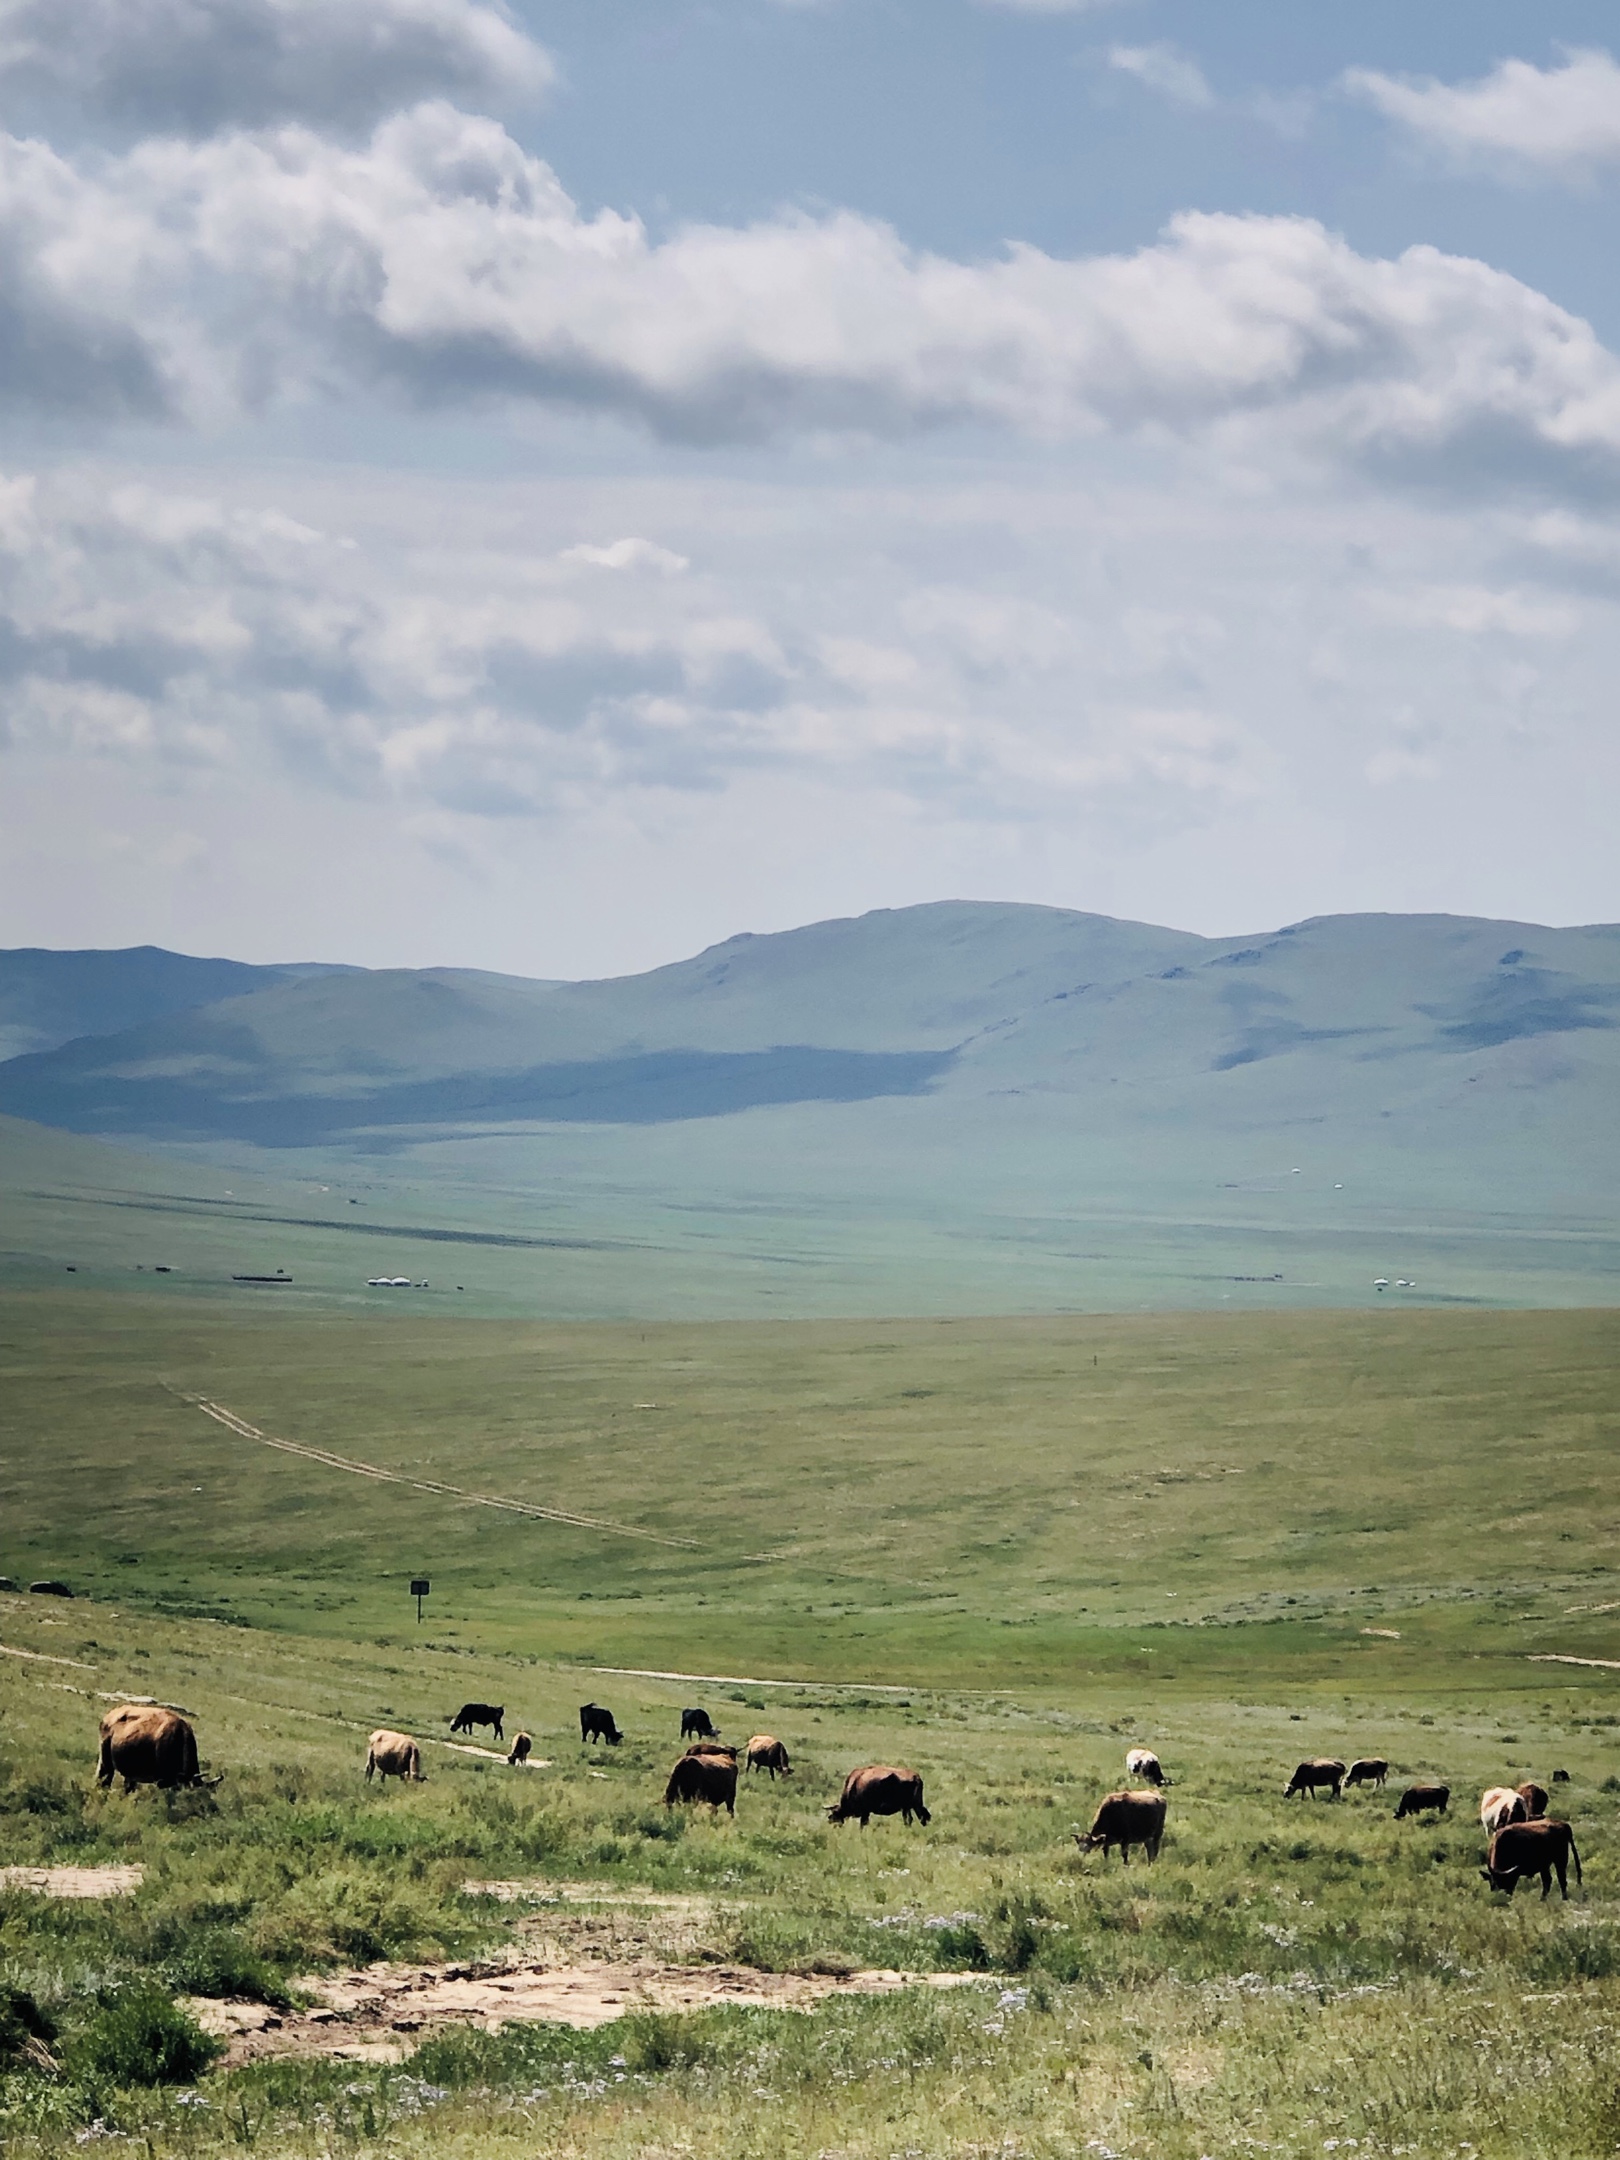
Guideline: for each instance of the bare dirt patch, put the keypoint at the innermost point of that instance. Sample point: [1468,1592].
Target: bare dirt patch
[73,1882]
[380,2013]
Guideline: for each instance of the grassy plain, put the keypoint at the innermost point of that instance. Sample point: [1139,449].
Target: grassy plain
[998,1550]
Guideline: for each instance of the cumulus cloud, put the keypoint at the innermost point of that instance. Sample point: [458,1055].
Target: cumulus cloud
[1559,120]
[443,261]
[195,66]
[1166,69]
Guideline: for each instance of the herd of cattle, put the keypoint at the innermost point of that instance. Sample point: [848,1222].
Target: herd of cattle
[148,1744]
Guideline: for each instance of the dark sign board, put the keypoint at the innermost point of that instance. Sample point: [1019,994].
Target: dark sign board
[420,1586]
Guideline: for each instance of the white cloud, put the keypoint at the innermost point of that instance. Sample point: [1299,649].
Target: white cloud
[628,555]
[199,65]
[1166,69]
[441,261]
[1560,120]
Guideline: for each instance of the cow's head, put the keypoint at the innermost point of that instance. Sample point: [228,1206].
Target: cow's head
[1500,1878]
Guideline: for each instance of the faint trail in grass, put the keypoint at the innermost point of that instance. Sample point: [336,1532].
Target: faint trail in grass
[40,1657]
[1559,1657]
[324,1456]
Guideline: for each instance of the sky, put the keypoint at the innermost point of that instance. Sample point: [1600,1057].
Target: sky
[546,488]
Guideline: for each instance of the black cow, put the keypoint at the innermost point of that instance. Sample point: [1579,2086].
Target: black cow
[1532,1848]
[479,1713]
[697,1725]
[595,1723]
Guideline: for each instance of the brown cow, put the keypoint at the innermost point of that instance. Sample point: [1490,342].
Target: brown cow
[1417,1799]
[1367,1770]
[721,1750]
[1532,1848]
[708,1774]
[393,1754]
[145,1744]
[1126,1819]
[521,1748]
[1500,1805]
[879,1789]
[766,1752]
[1320,1770]
[1534,1798]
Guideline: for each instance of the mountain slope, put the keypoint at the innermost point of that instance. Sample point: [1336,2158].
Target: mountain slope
[47,997]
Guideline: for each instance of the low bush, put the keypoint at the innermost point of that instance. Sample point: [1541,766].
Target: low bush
[139,2037]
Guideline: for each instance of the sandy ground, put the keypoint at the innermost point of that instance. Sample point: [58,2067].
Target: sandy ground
[380,2013]
[588,1953]
[73,1882]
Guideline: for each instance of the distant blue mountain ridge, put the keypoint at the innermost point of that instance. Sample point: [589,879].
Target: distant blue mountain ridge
[959,1008]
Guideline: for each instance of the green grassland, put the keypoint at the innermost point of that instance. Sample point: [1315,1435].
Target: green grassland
[998,1550]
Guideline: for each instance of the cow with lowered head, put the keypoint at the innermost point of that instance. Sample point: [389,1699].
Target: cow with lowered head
[1126,1819]
[698,1725]
[480,1713]
[146,1744]
[707,1774]
[1539,1848]
[1322,1771]
[879,1789]
[595,1723]
[393,1754]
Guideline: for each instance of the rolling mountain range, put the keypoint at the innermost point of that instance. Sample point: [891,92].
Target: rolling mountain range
[960,1064]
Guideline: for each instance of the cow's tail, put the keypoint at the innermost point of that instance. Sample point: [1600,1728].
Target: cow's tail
[371,1764]
[189,1770]
[415,1771]
[104,1767]
[1575,1856]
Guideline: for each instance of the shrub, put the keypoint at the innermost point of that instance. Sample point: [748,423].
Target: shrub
[25,2030]
[139,2037]
[221,1963]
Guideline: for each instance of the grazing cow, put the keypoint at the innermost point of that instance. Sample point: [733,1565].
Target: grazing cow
[1367,1770]
[879,1789]
[393,1754]
[1141,1762]
[595,1723]
[49,1589]
[704,1774]
[1420,1799]
[1320,1770]
[145,1744]
[479,1713]
[1532,1848]
[521,1748]
[696,1725]
[766,1752]
[719,1749]
[1500,1805]
[1560,1777]
[1126,1819]
[1534,1798]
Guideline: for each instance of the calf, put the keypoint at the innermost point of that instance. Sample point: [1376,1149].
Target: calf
[1532,1848]
[595,1723]
[1320,1770]
[1534,1798]
[521,1748]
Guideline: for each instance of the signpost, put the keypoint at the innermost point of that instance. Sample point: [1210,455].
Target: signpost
[420,1586]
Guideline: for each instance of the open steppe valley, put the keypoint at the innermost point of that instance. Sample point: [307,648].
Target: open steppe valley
[1000,1552]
